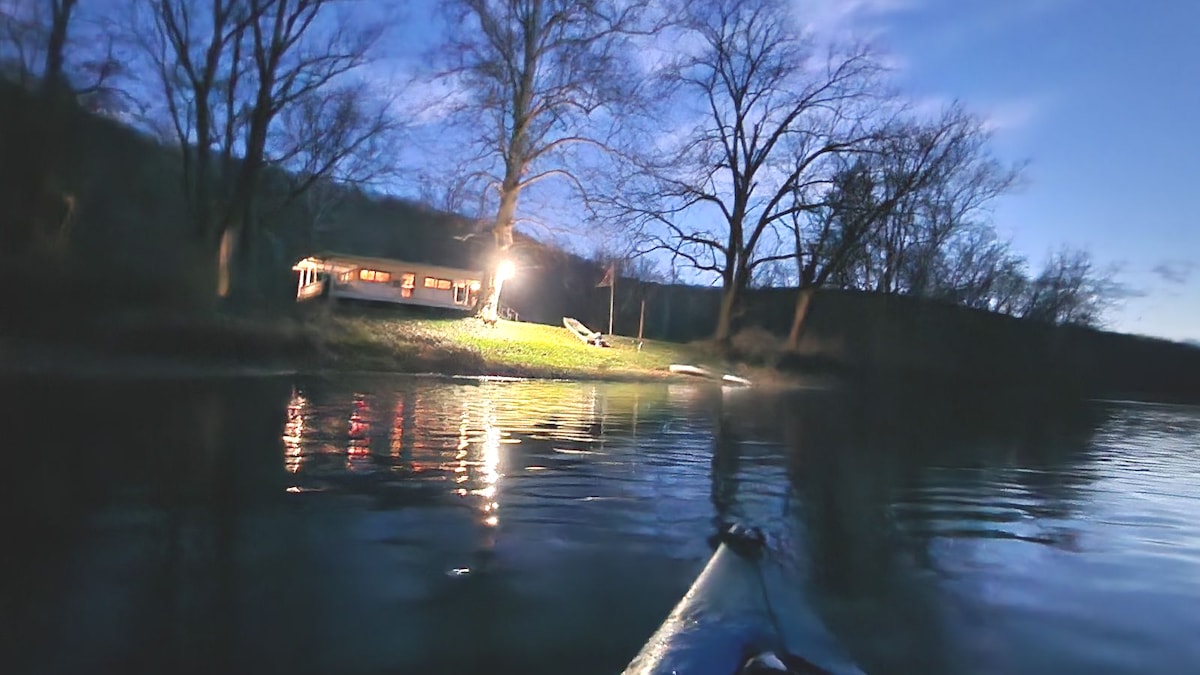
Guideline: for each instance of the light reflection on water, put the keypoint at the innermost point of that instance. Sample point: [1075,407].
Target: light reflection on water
[376,524]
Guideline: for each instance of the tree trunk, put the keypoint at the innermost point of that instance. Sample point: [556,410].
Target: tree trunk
[803,302]
[60,20]
[224,260]
[488,308]
[735,285]
[729,300]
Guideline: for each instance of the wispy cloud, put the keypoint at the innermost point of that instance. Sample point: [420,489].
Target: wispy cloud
[1174,271]
[1119,290]
[961,24]
[1013,115]
[844,18]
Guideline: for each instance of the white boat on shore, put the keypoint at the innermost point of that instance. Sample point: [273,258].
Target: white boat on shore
[697,371]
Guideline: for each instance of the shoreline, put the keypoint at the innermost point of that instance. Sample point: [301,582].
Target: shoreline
[158,346]
[24,358]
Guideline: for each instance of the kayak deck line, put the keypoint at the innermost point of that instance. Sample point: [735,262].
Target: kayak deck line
[726,623]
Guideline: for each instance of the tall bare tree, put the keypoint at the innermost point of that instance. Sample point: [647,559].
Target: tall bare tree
[979,270]
[961,186]
[774,112]
[33,39]
[537,76]
[226,70]
[38,205]
[1070,290]
[886,219]
[332,144]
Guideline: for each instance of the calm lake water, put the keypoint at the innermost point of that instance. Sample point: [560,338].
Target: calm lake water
[375,524]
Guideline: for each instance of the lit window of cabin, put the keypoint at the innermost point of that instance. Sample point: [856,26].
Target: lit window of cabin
[440,284]
[376,276]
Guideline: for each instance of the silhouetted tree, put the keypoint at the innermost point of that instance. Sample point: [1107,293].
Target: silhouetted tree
[885,218]
[331,144]
[1069,290]
[962,184]
[227,72]
[38,205]
[772,112]
[976,269]
[534,76]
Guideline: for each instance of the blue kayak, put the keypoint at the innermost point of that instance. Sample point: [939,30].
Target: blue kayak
[727,624]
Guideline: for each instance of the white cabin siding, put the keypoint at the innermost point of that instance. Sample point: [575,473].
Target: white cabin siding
[385,280]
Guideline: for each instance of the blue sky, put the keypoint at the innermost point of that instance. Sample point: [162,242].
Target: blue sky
[1102,96]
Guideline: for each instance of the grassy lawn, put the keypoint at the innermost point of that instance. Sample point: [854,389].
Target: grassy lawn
[356,338]
[396,340]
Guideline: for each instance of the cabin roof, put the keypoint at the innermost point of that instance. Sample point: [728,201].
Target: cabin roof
[339,262]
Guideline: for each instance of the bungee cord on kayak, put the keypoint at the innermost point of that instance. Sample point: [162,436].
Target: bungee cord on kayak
[753,543]
[726,624]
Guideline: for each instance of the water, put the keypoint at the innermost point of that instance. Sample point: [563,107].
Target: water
[373,524]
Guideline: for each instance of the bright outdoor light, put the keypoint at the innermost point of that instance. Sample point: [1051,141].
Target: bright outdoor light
[505,270]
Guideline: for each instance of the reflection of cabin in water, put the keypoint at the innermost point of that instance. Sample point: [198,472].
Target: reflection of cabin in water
[352,277]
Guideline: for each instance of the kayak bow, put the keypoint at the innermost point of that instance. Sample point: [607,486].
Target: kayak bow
[725,623]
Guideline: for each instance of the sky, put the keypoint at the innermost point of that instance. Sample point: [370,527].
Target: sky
[1101,96]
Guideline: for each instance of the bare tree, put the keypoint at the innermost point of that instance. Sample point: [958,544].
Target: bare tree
[885,221]
[33,39]
[1070,290]
[331,145]
[537,76]
[976,269]
[38,204]
[773,114]
[961,187]
[775,274]
[226,71]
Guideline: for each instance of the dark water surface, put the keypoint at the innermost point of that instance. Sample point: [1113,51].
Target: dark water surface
[377,525]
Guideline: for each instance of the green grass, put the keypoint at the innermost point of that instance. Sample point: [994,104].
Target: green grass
[389,340]
[324,338]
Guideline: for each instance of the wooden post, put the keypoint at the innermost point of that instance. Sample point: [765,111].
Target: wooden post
[642,319]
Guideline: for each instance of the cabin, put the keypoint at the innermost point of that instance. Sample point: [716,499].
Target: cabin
[352,277]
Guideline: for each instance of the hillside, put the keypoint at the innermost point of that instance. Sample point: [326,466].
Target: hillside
[130,248]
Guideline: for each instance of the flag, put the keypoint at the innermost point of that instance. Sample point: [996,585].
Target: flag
[608,276]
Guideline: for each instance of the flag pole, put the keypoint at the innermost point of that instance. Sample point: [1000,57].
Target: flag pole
[612,293]
[642,319]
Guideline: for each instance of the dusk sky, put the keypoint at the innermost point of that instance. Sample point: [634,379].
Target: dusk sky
[1102,96]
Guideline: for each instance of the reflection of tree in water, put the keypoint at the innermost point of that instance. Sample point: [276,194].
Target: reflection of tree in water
[886,479]
[726,454]
[209,485]
[168,468]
